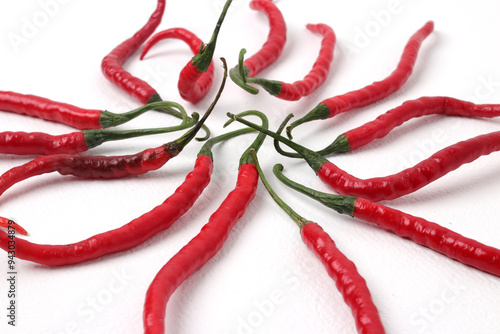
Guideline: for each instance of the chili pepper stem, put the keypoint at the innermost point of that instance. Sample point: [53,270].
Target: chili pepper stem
[206,149]
[202,60]
[239,74]
[321,111]
[298,219]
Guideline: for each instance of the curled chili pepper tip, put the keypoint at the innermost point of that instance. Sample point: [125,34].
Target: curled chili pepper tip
[12,225]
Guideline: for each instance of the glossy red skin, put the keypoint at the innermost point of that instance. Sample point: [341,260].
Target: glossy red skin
[23,143]
[381,89]
[349,282]
[319,71]
[11,225]
[423,106]
[413,178]
[199,250]
[193,85]
[431,235]
[276,38]
[128,236]
[112,64]
[49,110]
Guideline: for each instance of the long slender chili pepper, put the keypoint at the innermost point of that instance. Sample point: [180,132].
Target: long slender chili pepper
[205,244]
[103,166]
[383,124]
[343,271]
[136,231]
[395,185]
[196,77]
[419,230]
[204,82]
[270,51]
[298,89]
[22,143]
[64,113]
[11,225]
[373,92]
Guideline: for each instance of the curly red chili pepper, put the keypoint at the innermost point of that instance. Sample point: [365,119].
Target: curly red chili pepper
[205,244]
[343,271]
[373,92]
[272,48]
[399,184]
[419,230]
[298,89]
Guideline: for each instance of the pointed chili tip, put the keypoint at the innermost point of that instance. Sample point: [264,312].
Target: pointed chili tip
[12,225]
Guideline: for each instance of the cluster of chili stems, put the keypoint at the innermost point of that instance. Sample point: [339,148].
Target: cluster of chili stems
[358,197]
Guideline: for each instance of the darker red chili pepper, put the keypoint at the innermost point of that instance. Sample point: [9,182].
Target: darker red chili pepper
[204,245]
[272,48]
[136,231]
[23,143]
[399,184]
[343,271]
[419,230]
[298,89]
[373,92]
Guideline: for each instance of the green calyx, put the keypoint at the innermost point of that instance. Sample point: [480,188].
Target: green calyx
[314,160]
[246,157]
[202,60]
[321,111]
[298,219]
[340,203]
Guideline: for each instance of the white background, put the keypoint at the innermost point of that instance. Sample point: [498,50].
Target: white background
[264,280]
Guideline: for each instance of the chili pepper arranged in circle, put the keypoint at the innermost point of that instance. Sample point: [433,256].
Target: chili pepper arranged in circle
[395,185]
[298,89]
[12,225]
[270,51]
[23,143]
[196,77]
[373,92]
[196,253]
[425,233]
[136,231]
[343,271]
[383,124]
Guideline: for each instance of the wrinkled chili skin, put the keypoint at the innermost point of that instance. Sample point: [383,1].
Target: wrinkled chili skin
[128,236]
[413,178]
[199,250]
[49,110]
[349,282]
[431,235]
[276,38]
[112,64]
[427,105]
[23,143]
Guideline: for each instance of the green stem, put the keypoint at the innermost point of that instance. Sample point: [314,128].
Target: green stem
[207,147]
[202,60]
[312,158]
[321,111]
[239,74]
[246,157]
[298,219]
[340,203]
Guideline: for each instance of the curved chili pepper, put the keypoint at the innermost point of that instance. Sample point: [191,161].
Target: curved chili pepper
[12,225]
[384,123]
[76,117]
[22,143]
[271,49]
[136,231]
[419,230]
[343,271]
[205,244]
[373,92]
[298,89]
[395,185]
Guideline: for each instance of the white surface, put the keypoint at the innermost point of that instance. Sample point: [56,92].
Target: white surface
[264,280]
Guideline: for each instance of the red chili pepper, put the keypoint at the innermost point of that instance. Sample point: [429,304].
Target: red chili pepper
[22,143]
[64,113]
[11,225]
[343,271]
[300,88]
[205,244]
[419,230]
[399,184]
[136,231]
[196,77]
[271,49]
[373,92]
